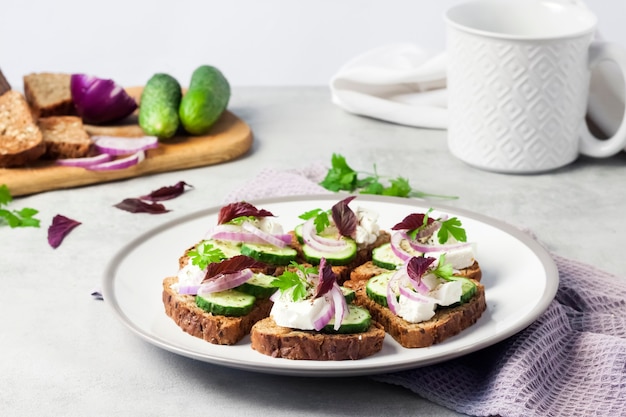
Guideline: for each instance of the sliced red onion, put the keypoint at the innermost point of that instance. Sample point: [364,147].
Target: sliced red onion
[319,243]
[396,247]
[414,296]
[392,300]
[325,314]
[340,305]
[121,163]
[424,248]
[100,100]
[86,161]
[115,145]
[225,282]
[188,289]
[235,233]
[266,237]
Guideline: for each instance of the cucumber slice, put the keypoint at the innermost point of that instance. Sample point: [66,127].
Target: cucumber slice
[229,249]
[348,293]
[468,290]
[269,254]
[343,257]
[260,285]
[357,320]
[384,257]
[226,303]
[376,288]
[298,232]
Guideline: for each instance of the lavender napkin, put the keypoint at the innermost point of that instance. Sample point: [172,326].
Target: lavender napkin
[569,362]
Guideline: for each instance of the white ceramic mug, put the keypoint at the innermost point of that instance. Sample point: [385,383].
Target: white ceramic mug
[518,84]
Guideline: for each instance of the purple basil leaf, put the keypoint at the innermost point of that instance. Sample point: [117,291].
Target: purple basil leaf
[327,278]
[60,228]
[412,221]
[344,217]
[239,209]
[417,266]
[135,205]
[167,193]
[231,265]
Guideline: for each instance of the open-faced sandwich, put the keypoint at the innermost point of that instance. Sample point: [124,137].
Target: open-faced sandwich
[311,319]
[419,234]
[223,284]
[343,237]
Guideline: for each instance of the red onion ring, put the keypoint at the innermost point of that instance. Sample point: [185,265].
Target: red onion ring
[339,305]
[225,282]
[114,145]
[424,248]
[321,244]
[121,163]
[266,237]
[85,161]
[326,313]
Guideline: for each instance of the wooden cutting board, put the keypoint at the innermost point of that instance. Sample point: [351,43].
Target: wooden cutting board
[228,139]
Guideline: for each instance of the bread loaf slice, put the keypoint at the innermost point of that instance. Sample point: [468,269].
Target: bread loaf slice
[64,137]
[49,94]
[276,341]
[21,141]
[220,330]
[447,321]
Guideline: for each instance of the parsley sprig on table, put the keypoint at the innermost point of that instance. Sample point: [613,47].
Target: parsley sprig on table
[341,177]
[15,218]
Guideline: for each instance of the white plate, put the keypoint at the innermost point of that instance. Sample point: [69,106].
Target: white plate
[519,275]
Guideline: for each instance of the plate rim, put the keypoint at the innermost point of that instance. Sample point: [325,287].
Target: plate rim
[547,262]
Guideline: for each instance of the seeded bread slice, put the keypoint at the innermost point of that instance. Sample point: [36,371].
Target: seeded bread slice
[219,330]
[49,94]
[21,141]
[276,341]
[64,137]
[447,322]
[368,270]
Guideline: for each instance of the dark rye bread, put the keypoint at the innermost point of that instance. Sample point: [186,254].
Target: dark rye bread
[283,342]
[219,330]
[368,270]
[447,321]
[363,255]
[64,137]
[49,94]
[21,141]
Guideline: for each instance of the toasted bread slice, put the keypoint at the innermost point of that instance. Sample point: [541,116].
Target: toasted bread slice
[219,330]
[283,342]
[447,322]
[21,141]
[49,94]
[368,270]
[64,137]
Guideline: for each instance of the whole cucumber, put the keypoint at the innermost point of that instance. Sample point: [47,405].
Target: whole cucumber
[158,107]
[205,101]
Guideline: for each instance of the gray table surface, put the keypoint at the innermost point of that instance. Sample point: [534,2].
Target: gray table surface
[63,353]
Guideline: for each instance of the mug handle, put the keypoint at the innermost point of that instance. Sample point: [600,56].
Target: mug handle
[589,144]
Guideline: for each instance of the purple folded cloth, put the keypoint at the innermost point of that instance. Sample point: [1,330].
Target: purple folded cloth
[569,362]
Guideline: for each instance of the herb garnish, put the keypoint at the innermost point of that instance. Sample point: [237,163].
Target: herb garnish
[205,253]
[295,279]
[15,218]
[341,177]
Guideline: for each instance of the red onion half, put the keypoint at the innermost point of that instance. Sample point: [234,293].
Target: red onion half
[100,100]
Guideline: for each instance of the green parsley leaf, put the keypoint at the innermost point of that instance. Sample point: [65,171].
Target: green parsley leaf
[341,177]
[444,270]
[294,280]
[204,254]
[321,218]
[15,218]
[452,226]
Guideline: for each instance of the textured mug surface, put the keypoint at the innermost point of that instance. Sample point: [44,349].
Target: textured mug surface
[518,82]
